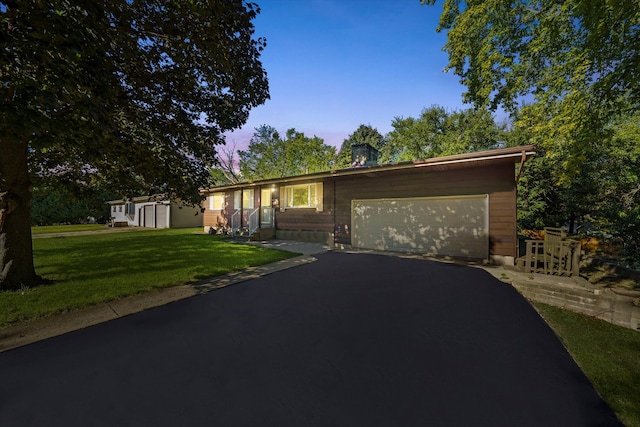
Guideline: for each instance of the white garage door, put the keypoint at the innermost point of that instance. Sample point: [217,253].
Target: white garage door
[161,216]
[455,226]
[149,215]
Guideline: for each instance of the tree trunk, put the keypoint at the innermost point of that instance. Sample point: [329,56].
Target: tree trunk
[16,250]
[572,221]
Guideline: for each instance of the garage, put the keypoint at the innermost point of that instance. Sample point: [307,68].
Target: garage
[161,216]
[149,216]
[456,226]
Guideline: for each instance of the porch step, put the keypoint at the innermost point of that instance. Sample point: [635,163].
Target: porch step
[263,234]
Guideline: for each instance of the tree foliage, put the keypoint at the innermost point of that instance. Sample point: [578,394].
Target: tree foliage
[365,134]
[504,49]
[578,60]
[55,205]
[134,94]
[577,66]
[271,156]
[603,198]
[438,132]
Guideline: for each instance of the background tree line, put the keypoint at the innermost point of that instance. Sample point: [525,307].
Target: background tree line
[600,197]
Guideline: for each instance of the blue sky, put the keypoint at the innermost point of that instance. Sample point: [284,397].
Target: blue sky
[335,64]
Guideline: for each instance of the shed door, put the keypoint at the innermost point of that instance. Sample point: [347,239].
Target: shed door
[161,216]
[455,226]
[148,216]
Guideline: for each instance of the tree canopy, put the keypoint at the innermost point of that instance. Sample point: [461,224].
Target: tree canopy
[133,94]
[504,49]
[569,72]
[365,134]
[438,132]
[271,156]
[577,62]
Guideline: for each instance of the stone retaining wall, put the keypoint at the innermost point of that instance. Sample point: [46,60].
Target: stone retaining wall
[605,304]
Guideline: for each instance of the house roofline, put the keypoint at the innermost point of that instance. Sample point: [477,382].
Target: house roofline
[138,199]
[514,153]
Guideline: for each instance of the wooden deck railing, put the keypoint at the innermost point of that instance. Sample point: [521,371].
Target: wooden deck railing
[554,255]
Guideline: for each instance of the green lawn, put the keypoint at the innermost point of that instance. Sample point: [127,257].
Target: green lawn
[608,354]
[45,229]
[90,269]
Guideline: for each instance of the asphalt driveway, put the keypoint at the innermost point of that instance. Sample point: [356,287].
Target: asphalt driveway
[348,340]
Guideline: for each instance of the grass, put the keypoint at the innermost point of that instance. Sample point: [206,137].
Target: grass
[608,355]
[90,269]
[45,229]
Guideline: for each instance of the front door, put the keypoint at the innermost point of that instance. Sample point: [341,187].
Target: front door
[266,211]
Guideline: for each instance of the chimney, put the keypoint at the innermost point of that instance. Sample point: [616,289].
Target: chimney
[363,155]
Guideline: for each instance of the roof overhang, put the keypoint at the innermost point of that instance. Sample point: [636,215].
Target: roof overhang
[139,199]
[477,159]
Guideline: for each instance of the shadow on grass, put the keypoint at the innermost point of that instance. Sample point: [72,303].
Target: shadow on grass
[158,257]
[91,269]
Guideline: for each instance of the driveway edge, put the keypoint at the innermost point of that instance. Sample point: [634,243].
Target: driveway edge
[27,333]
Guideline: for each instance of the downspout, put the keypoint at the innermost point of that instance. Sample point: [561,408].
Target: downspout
[522,160]
[259,206]
[334,212]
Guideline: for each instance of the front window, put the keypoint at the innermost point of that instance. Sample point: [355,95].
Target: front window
[216,201]
[301,196]
[247,199]
[130,209]
[243,199]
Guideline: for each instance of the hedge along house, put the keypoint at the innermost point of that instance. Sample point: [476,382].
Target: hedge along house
[462,206]
[153,212]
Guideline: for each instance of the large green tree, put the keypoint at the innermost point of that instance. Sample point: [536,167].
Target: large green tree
[576,66]
[271,156]
[603,197]
[578,61]
[131,93]
[365,134]
[438,132]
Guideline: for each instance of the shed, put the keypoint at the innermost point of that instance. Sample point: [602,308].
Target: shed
[154,212]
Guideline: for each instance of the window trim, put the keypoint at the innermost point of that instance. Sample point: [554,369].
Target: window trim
[289,198]
[250,194]
[216,201]
[130,209]
[237,199]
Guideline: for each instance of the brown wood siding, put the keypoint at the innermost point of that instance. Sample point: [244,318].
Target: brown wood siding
[213,218]
[306,219]
[218,218]
[498,181]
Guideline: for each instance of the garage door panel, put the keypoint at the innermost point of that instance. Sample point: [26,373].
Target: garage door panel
[454,226]
[161,216]
[148,216]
